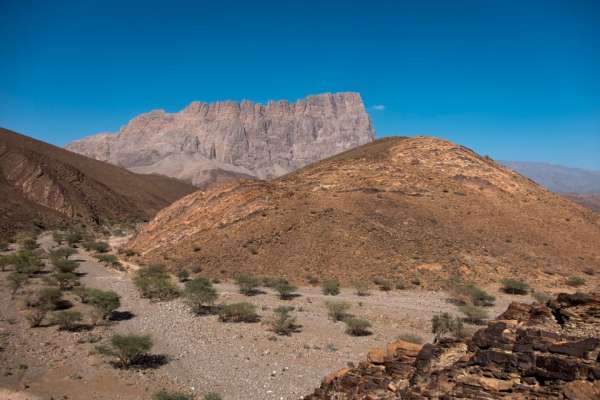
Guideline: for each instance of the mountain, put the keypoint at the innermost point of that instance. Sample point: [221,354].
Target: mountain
[212,142]
[558,178]
[47,185]
[413,209]
[588,200]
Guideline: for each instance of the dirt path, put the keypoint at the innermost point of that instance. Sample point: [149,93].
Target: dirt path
[243,361]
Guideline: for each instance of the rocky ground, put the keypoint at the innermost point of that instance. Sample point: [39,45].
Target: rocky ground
[240,361]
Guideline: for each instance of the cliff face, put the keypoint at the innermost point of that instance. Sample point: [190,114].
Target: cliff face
[49,185]
[205,141]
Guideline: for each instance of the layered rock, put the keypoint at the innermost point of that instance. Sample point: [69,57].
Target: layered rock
[205,141]
[532,357]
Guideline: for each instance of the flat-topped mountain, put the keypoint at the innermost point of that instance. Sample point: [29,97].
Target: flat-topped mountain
[212,142]
[44,184]
[413,209]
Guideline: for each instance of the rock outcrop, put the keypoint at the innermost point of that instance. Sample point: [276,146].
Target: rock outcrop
[45,185]
[532,355]
[207,142]
[412,209]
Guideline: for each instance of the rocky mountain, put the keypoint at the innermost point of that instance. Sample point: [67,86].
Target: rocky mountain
[413,209]
[529,352]
[46,185]
[212,142]
[558,178]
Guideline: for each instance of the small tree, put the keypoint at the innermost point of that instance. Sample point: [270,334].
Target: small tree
[330,287]
[73,237]
[337,310]
[67,320]
[48,298]
[238,312]
[357,326]
[285,289]
[26,262]
[514,286]
[443,324]
[282,322]
[64,265]
[153,282]
[473,314]
[127,348]
[16,280]
[84,293]
[575,281]
[248,284]
[65,280]
[199,293]
[104,302]
[109,260]
[62,253]
[58,237]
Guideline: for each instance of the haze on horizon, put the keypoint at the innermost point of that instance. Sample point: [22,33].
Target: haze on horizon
[513,80]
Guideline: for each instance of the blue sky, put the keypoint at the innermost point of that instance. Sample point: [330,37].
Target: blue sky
[516,80]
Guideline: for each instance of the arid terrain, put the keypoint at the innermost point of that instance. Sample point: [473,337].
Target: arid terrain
[43,186]
[420,210]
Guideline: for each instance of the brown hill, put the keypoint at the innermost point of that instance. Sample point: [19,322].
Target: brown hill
[418,209]
[46,185]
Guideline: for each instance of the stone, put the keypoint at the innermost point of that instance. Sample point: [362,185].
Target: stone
[376,356]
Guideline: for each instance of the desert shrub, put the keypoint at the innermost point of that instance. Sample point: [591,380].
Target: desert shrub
[514,286]
[65,280]
[58,237]
[101,247]
[47,298]
[73,237]
[238,312]
[154,283]
[16,280]
[400,284]
[104,302]
[126,348]
[362,289]
[212,396]
[67,320]
[109,260]
[183,275]
[285,289]
[283,322]
[6,261]
[26,262]
[35,317]
[164,395]
[28,243]
[199,293]
[575,281]
[479,297]
[330,287]
[64,265]
[357,326]
[411,337]
[542,297]
[269,281]
[62,253]
[444,324]
[383,284]
[83,293]
[337,310]
[312,280]
[473,314]
[248,284]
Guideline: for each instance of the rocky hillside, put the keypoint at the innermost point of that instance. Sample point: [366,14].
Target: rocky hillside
[45,185]
[418,209]
[208,142]
[529,352]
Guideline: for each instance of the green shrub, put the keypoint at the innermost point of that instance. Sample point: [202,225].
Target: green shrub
[357,326]
[212,396]
[199,293]
[575,281]
[248,284]
[285,289]
[73,237]
[400,285]
[337,310]
[330,287]
[67,320]
[127,348]
[383,284]
[514,286]
[26,262]
[5,261]
[109,260]
[164,395]
[154,283]
[444,324]
[362,289]
[83,293]
[542,297]
[104,302]
[479,297]
[411,337]
[65,280]
[270,282]
[473,314]
[64,265]
[62,253]
[48,298]
[58,237]
[282,322]
[16,280]
[183,275]
[238,312]
[29,244]
[35,317]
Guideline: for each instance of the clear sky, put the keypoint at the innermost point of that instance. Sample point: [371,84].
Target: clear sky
[516,80]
